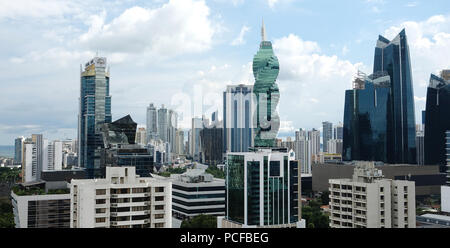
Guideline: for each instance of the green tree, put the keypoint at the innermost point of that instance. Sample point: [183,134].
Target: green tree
[215,171]
[200,221]
[6,215]
[325,198]
[314,217]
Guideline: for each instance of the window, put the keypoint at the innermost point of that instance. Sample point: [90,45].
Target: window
[159,225]
[100,220]
[381,189]
[100,201]
[100,191]
[159,198]
[159,189]
[100,210]
[159,216]
[159,207]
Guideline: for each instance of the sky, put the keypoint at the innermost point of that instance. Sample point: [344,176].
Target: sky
[183,54]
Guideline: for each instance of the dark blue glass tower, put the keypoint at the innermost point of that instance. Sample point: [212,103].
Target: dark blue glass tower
[366,119]
[437,121]
[393,57]
[95,110]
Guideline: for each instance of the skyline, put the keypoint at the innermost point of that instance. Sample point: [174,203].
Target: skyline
[213,49]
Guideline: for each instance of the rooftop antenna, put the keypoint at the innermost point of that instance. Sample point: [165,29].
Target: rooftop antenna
[263,31]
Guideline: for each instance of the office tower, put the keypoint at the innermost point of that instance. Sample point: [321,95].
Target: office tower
[302,148]
[121,200]
[163,124]
[367,135]
[211,141]
[152,122]
[393,58]
[368,200]
[238,111]
[265,89]
[45,208]
[29,162]
[327,134]
[95,110]
[18,150]
[179,141]
[420,144]
[172,129]
[423,119]
[314,138]
[197,126]
[338,132]
[437,120]
[40,146]
[54,156]
[196,192]
[262,189]
[141,136]
[334,146]
[121,150]
[447,138]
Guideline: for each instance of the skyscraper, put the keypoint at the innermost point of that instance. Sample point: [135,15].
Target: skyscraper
[338,132]
[265,89]
[38,142]
[152,122]
[163,124]
[327,134]
[366,119]
[379,118]
[95,110]
[437,120]
[195,145]
[18,150]
[420,144]
[393,57]
[238,110]
[314,138]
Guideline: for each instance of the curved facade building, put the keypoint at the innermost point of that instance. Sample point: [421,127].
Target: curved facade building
[437,120]
[379,118]
[366,117]
[265,70]
[393,58]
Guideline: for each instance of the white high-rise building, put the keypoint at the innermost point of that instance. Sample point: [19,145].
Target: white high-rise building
[29,162]
[335,146]
[314,138]
[238,112]
[368,200]
[141,136]
[303,153]
[121,200]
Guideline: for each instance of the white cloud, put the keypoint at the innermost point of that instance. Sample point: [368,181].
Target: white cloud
[177,27]
[309,77]
[35,8]
[240,39]
[429,43]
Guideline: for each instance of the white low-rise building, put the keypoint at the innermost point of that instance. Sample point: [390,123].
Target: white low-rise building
[121,200]
[368,200]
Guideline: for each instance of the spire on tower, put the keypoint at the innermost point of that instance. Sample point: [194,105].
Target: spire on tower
[263,31]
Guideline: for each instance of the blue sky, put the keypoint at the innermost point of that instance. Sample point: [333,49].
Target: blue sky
[164,51]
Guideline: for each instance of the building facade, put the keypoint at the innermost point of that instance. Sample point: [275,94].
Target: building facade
[238,108]
[327,134]
[420,144]
[262,189]
[196,192]
[18,150]
[152,122]
[121,200]
[94,110]
[436,120]
[447,139]
[265,70]
[370,201]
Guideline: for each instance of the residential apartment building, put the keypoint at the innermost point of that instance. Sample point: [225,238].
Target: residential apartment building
[121,200]
[368,200]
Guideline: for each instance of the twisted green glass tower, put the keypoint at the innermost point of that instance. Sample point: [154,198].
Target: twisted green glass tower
[265,70]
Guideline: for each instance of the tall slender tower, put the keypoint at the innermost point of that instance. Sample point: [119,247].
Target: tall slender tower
[95,110]
[265,70]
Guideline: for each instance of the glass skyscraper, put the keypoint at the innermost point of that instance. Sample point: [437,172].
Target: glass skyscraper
[265,89]
[437,121]
[263,188]
[379,118]
[95,110]
[327,134]
[393,57]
